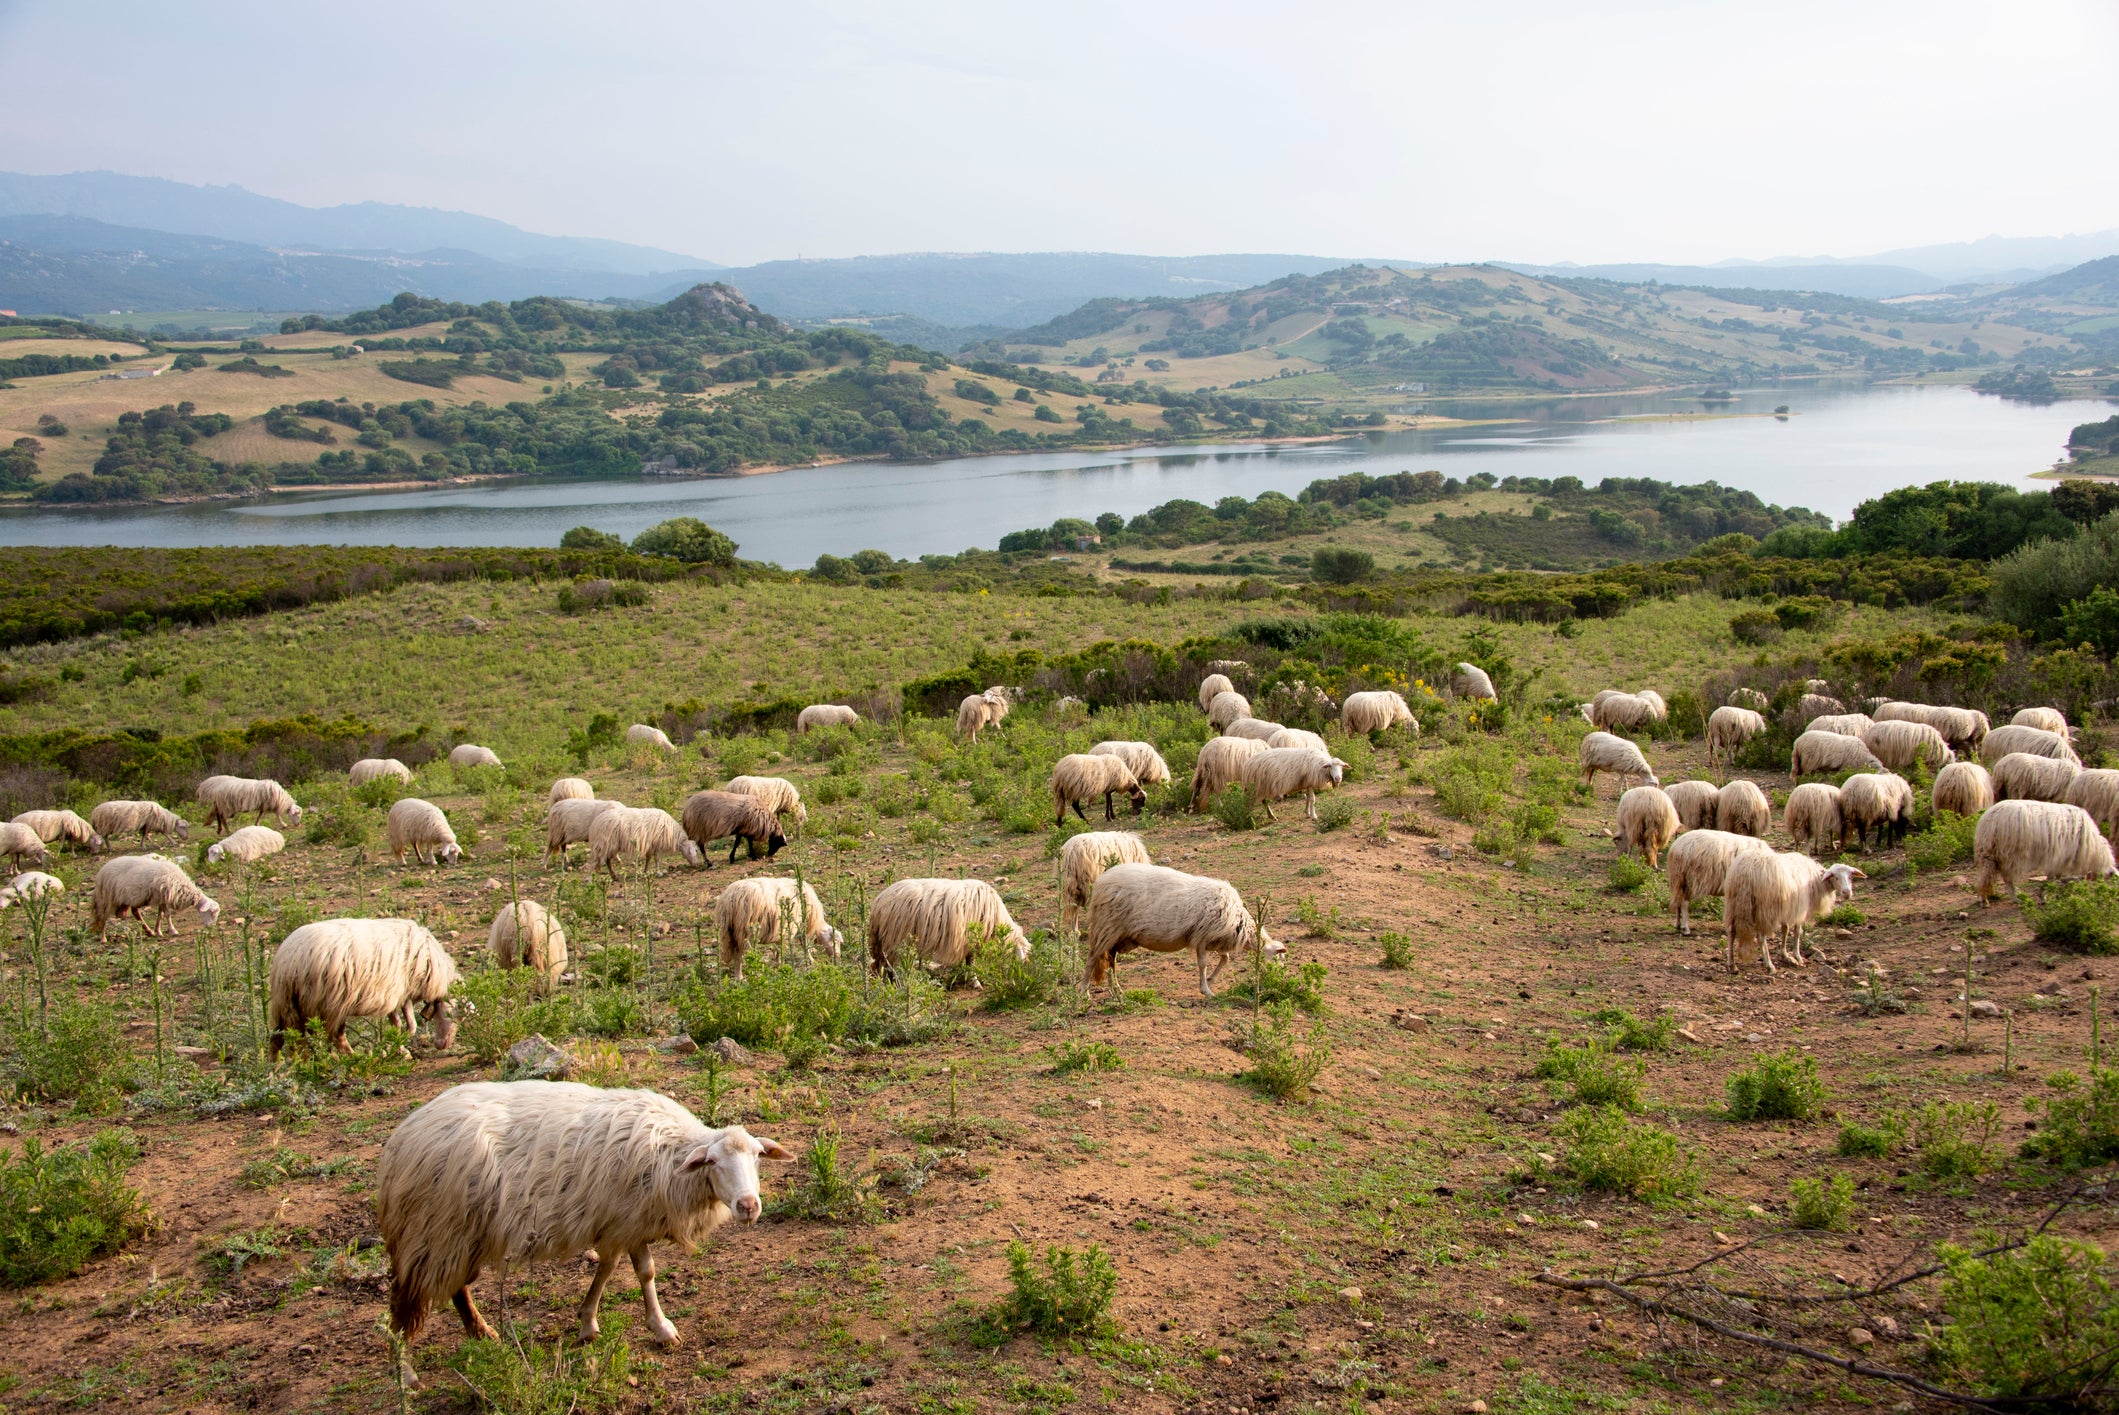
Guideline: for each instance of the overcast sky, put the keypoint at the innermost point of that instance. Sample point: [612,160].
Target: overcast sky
[1530,131]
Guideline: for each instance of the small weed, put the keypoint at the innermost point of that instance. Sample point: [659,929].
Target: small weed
[826,1191]
[1310,871]
[62,1207]
[1596,1076]
[235,1251]
[1278,984]
[1953,1138]
[1318,923]
[78,1056]
[1281,1065]
[1946,842]
[1875,997]
[2079,915]
[1397,949]
[1063,1294]
[1630,1033]
[1334,812]
[1629,876]
[522,1377]
[1608,1151]
[2081,1125]
[283,1165]
[1008,983]
[364,1071]
[1237,808]
[1846,916]
[1826,1203]
[1871,1141]
[1782,1087]
[1085,1056]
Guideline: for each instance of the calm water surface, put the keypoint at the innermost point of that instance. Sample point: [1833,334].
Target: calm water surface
[1841,446]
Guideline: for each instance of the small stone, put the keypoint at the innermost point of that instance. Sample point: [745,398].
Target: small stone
[1860,1337]
[535,1059]
[1409,1022]
[1751,1036]
[1755,1211]
[492,883]
[1095,1103]
[1887,1326]
[1372,1073]
[734,1052]
[1351,1294]
[1526,1220]
[1224,1361]
[679,1045]
[1985,1007]
[1490,1036]
[1477,1407]
[1843,933]
[1445,851]
[1724,1239]
[1591,1224]
[1547,1160]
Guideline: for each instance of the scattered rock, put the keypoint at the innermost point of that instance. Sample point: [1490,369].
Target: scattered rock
[734,1052]
[1985,1007]
[1591,1224]
[202,1055]
[1755,1211]
[1372,1073]
[535,1059]
[305,1349]
[1860,1337]
[1887,1326]
[1547,1160]
[1689,1035]
[492,883]
[1351,1294]
[1477,1407]
[472,624]
[679,1045]
[1408,1021]
[1724,1239]
[1095,1103]
[1527,1220]
[1444,851]
[1843,933]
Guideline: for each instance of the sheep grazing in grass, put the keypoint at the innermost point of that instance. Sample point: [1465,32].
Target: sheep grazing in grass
[979,711]
[21,843]
[465,755]
[1470,681]
[1616,712]
[1962,788]
[1815,705]
[115,818]
[1257,729]
[1213,686]
[825,715]
[55,826]
[1167,911]
[1845,724]
[337,969]
[369,769]
[936,919]
[226,797]
[642,735]
[30,884]
[2033,741]
[1141,758]
[1659,709]
[247,846]
[1694,803]
[1280,772]
[1770,895]
[1902,746]
[525,935]
[1377,711]
[744,820]
[1646,823]
[1601,751]
[508,1173]
[1730,728]
[2017,841]
[1226,708]
[567,823]
[420,826]
[1815,817]
[2049,719]
[1698,864]
[776,793]
[1083,860]
[1878,801]
[1962,728]
[1750,698]
[132,884]
[2019,776]
[569,788]
[1220,766]
[1300,737]
[1082,776]
[1741,808]
[748,915]
[1816,753]
[2097,792]
[637,833]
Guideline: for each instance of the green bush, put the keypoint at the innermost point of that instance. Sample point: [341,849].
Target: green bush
[1281,1065]
[2081,1125]
[770,1004]
[1783,1087]
[2036,1326]
[522,1377]
[2080,915]
[1008,983]
[1278,985]
[1608,1151]
[1334,565]
[1596,1077]
[1471,781]
[1630,876]
[1085,1056]
[1630,1033]
[1237,807]
[1756,626]
[1064,1294]
[1397,949]
[1334,811]
[825,1190]
[1953,1138]
[686,538]
[498,1007]
[1826,1203]
[314,1062]
[62,1208]
[82,1058]
[1858,1141]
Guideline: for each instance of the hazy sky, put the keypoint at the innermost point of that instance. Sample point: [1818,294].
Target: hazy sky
[1527,131]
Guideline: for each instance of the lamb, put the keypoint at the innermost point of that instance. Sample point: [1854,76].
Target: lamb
[1083,860]
[637,832]
[369,769]
[54,826]
[1903,745]
[2048,718]
[2035,740]
[1816,704]
[570,788]
[2020,776]
[114,818]
[133,884]
[226,797]
[1279,772]
[1471,682]
[1742,809]
[1299,737]
[1211,687]
[776,793]
[1844,724]
[1815,815]
[505,1173]
[1220,766]
[524,934]
[1768,894]
[1226,708]
[1081,776]
[1256,728]
[30,884]
[337,969]
[1647,822]
[1694,803]
[825,715]
[248,845]
[1960,727]
[1962,788]
[567,823]
[1730,728]
[2098,793]
[643,734]
[419,826]
[746,820]
[463,756]
[1698,865]
[1819,752]
[1614,711]
[980,710]
[1379,711]
[934,918]
[2017,840]
[1601,751]
[1750,698]
[1879,801]
[1165,911]
[21,843]
[1141,758]
[747,915]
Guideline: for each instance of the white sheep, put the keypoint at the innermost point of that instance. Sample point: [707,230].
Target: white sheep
[1279,772]
[132,884]
[1815,704]
[1646,823]
[1656,705]
[1257,729]
[977,712]
[1302,737]
[643,735]
[509,1173]
[776,793]
[30,884]
[636,833]
[1698,865]
[420,826]
[1601,751]
[226,797]
[54,826]
[567,823]
[1962,788]
[1741,808]
[1750,698]
[464,755]
[1960,727]
[1166,911]
[1471,681]
[1226,708]
[1083,860]
[1730,728]
[570,788]
[369,769]
[524,934]
[825,715]
[1819,752]
[22,843]
[115,818]
[1611,711]
[337,969]
[2051,719]
[1080,777]
[1815,816]
[2022,777]
[1879,801]
[1815,685]
[1845,724]
[2097,792]
[1141,758]
[1220,765]
[2016,841]
[935,919]
[1378,711]
[2036,741]
[1904,745]
[1768,894]
[1694,802]
[248,845]
[747,916]
[1213,686]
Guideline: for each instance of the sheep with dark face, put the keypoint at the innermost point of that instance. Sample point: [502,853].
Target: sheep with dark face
[744,820]
[1880,801]
[1083,776]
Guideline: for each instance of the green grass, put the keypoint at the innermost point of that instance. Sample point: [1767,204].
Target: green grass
[63,1206]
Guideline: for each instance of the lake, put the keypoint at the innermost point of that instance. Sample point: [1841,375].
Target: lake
[1842,445]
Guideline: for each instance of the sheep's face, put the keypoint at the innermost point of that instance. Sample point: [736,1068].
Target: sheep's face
[773,842]
[1138,796]
[294,815]
[1843,877]
[728,1166]
[449,854]
[1338,771]
[183,831]
[443,1022]
[690,850]
[216,853]
[95,843]
[1022,945]
[209,912]
[1271,946]
[835,941]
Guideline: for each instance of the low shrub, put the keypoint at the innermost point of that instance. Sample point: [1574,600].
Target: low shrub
[770,1003]
[1085,1056]
[1064,1293]
[1284,1065]
[1630,876]
[498,1007]
[1871,1141]
[371,1070]
[2037,1326]
[1630,1033]
[519,1376]
[1826,1202]
[1954,1138]
[1278,985]
[1334,812]
[64,1207]
[1008,983]
[2079,915]
[1782,1087]
[1946,842]
[1237,807]
[826,1190]
[78,1056]
[2081,1125]
[1397,949]
[1607,1151]
[1594,1075]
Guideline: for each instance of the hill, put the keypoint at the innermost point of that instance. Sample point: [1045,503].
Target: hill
[1868,282]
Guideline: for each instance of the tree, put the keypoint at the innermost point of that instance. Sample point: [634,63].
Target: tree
[686,538]
[1110,523]
[589,538]
[1333,565]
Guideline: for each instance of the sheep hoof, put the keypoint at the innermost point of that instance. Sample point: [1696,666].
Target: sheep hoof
[666,1333]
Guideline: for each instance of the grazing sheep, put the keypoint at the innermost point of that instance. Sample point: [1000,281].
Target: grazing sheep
[52,826]
[2036,741]
[1656,705]
[1768,895]
[2018,840]
[1302,737]
[1960,727]
[30,884]
[1141,758]
[1072,709]
[567,823]
[1750,698]
[1601,751]
[637,833]
[1819,752]
[226,797]
[369,769]
[2097,792]
[1378,711]
[20,842]
[1730,728]
[643,734]
[825,715]
[1165,911]
[1879,801]
[1279,772]
[1226,708]
[419,826]
[248,845]
[114,818]
[1082,776]
[133,884]
[525,935]
[1471,681]
[745,820]
[569,788]
[1845,724]
[1740,808]
[1256,728]
[1610,712]
[776,793]
[507,1173]
[1815,704]
[1694,803]
[934,918]
[2050,719]
[1213,686]
[1698,864]
[1903,745]
[2019,776]
[337,969]
[1083,860]
[1647,822]
[1220,766]
[747,915]
[1962,788]
[463,756]
[1815,685]
[980,710]
[1814,816]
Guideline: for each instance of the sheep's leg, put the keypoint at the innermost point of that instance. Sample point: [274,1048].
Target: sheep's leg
[664,1330]
[590,1327]
[1684,917]
[1109,814]
[1309,804]
[1269,810]
[732,846]
[1220,961]
[1077,811]
[339,1043]
[1765,951]
[475,1324]
[1206,984]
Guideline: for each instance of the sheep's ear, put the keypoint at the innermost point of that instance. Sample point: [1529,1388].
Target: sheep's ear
[772,1149]
[699,1158]
[1854,873]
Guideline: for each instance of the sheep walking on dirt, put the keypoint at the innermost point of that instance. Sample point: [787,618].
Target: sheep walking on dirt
[636,833]
[465,755]
[2033,741]
[1730,728]
[1141,758]
[1082,776]
[1876,800]
[130,885]
[570,788]
[1740,808]
[1698,865]
[776,793]
[1903,745]
[1213,686]
[1962,728]
[825,715]
[936,919]
[337,969]
[1167,911]
[743,820]
[369,769]
[567,823]
[1646,823]
[750,912]
[1220,766]
[1470,681]
[1817,753]
[2017,841]
[2019,776]
[115,818]
[1083,860]
[1377,711]
[1815,817]
[1770,895]
[1280,772]
[226,797]
[247,846]
[55,826]
[640,734]
[2097,792]
[525,935]
[1601,751]
[420,827]
[1694,802]
[1962,788]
